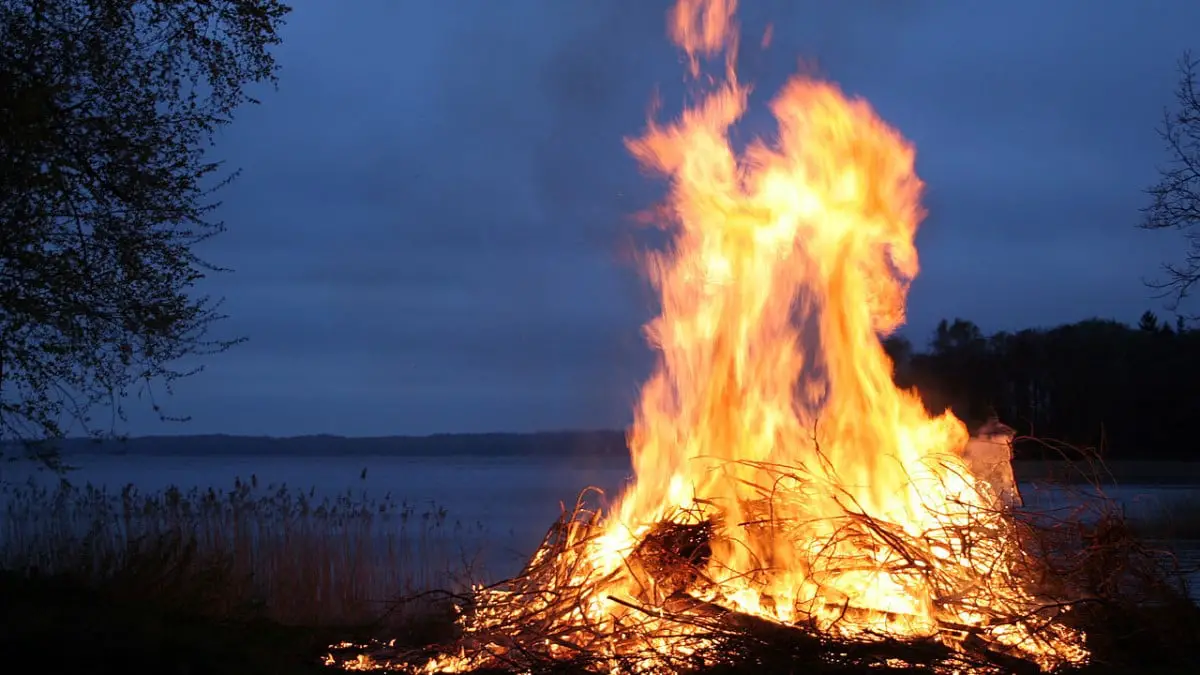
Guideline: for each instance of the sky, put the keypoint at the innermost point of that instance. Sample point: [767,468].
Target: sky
[432,225]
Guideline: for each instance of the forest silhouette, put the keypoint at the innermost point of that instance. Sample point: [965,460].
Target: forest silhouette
[1097,386]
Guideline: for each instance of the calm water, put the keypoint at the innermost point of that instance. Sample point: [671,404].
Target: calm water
[513,500]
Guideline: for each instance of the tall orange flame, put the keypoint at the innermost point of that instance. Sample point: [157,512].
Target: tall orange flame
[788,263]
[834,497]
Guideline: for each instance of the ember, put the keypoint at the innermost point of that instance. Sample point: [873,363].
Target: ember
[786,493]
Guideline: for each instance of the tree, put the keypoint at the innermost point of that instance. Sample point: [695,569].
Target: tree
[107,111]
[961,336]
[900,350]
[1149,322]
[1175,198]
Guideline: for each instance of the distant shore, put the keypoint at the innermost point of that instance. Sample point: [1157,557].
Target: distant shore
[1117,471]
[567,446]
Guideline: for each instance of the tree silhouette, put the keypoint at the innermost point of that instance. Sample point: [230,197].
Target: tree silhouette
[900,351]
[107,108]
[1099,384]
[1175,198]
[1149,322]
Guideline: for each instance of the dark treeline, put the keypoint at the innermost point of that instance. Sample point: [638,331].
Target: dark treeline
[1129,392]
[1126,391]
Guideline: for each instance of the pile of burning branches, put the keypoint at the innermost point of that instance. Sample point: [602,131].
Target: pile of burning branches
[741,543]
[1074,572]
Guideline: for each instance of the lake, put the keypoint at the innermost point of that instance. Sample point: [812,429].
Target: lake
[511,500]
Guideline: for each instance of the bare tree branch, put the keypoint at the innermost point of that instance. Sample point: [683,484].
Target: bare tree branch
[1175,199]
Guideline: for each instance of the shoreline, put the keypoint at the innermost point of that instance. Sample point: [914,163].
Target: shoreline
[1160,473]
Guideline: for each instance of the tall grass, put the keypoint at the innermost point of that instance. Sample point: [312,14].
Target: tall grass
[298,558]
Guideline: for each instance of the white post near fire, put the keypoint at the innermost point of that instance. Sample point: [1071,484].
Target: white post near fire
[989,456]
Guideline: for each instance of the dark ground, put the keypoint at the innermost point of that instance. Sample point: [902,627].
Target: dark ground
[60,626]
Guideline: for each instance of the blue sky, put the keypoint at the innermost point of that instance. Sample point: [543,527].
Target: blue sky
[430,230]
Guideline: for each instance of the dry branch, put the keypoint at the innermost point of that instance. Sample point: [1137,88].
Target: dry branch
[1079,569]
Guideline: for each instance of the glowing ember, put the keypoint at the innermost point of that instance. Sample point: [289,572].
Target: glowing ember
[781,477]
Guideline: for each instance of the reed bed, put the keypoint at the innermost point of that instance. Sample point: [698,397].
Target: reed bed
[288,554]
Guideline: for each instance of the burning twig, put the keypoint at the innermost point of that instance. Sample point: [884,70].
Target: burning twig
[549,612]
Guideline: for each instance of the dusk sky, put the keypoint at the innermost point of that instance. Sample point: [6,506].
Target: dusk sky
[428,234]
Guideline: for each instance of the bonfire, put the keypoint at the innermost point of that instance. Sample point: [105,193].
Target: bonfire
[783,484]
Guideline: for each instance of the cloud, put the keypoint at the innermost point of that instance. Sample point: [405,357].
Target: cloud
[429,229]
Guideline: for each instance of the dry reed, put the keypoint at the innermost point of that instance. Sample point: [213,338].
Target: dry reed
[302,559]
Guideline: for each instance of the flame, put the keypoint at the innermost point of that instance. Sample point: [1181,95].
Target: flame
[788,263]
[832,496]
